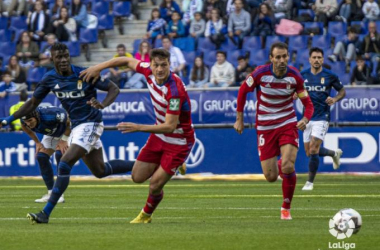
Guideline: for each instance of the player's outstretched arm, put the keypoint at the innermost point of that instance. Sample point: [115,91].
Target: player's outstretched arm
[94,71]
[32,136]
[167,127]
[25,109]
[241,99]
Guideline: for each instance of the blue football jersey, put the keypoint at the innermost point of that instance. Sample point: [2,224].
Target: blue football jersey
[52,121]
[73,93]
[319,88]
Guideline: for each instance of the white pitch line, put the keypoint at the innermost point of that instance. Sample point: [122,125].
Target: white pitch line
[276,196]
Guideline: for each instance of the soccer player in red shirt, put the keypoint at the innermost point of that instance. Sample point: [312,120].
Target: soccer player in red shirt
[276,121]
[172,137]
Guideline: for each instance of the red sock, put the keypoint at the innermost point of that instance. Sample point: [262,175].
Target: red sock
[152,202]
[279,162]
[288,186]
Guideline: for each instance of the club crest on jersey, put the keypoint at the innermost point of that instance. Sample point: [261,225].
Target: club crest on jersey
[144,65]
[174,104]
[250,81]
[322,80]
[80,84]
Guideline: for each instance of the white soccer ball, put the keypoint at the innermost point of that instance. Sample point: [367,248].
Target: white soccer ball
[347,221]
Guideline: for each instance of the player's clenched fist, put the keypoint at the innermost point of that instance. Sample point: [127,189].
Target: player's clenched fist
[127,127]
[239,127]
[301,124]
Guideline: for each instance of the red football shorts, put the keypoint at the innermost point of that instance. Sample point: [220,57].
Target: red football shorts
[270,141]
[169,156]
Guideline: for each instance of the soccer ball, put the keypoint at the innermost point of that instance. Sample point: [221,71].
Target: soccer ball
[346,222]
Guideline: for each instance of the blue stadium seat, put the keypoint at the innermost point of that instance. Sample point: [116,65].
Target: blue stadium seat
[233,55]
[298,43]
[74,48]
[105,22]
[189,57]
[5,35]
[272,39]
[5,61]
[35,74]
[136,45]
[18,23]
[378,26]
[337,29]
[4,22]
[209,57]
[158,43]
[228,45]
[338,68]
[100,8]
[185,43]
[121,8]
[306,11]
[345,79]
[252,43]
[259,57]
[204,44]
[42,45]
[323,42]
[363,26]
[88,35]
[302,57]
[314,25]
[7,48]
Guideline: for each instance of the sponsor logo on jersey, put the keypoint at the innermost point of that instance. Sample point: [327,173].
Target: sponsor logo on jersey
[80,85]
[144,65]
[174,104]
[70,94]
[250,81]
[56,86]
[316,88]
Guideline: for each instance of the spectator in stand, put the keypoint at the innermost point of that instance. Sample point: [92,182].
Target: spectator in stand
[156,26]
[198,26]
[371,11]
[12,7]
[222,73]
[16,125]
[7,86]
[239,23]
[56,10]
[143,53]
[190,8]
[215,29]
[65,27]
[325,10]
[45,53]
[361,74]
[38,22]
[27,51]
[281,8]
[199,74]
[214,4]
[345,11]
[167,8]
[241,70]
[78,12]
[18,75]
[177,60]
[264,23]
[347,49]
[121,74]
[371,44]
[356,10]
[175,27]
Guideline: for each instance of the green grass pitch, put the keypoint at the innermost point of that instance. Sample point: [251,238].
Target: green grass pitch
[193,215]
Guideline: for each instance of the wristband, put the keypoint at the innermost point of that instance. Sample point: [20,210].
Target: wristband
[64,138]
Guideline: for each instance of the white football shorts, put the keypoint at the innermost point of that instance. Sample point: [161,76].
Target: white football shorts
[316,129]
[87,135]
[50,142]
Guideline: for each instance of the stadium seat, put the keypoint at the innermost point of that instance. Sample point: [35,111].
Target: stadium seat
[252,43]
[4,22]
[88,35]
[185,43]
[259,57]
[318,25]
[204,44]
[74,48]
[35,75]
[158,43]
[105,22]
[232,56]
[7,48]
[136,45]
[345,79]
[337,29]
[209,57]
[302,57]
[272,39]
[378,26]
[306,11]
[339,68]
[298,43]
[228,45]
[362,26]
[121,8]
[42,45]
[5,35]
[5,61]
[189,57]
[323,42]
[100,8]
[18,23]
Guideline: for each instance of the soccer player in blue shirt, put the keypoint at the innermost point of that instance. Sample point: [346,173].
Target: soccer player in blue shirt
[78,98]
[318,82]
[54,124]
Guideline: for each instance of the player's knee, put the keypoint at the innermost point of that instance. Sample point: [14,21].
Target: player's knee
[271,177]
[137,179]
[155,188]
[287,166]
[99,173]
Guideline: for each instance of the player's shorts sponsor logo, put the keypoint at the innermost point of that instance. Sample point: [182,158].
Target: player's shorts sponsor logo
[197,154]
[69,94]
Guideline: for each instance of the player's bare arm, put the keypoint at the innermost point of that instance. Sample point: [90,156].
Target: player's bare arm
[112,92]
[331,100]
[92,74]
[25,109]
[167,127]
[62,144]
[239,124]
[301,124]
[34,137]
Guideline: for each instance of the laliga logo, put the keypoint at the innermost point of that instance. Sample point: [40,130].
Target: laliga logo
[343,229]
[196,155]
[194,105]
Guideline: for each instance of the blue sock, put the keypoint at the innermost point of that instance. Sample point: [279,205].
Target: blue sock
[117,167]
[58,156]
[60,186]
[326,152]
[313,167]
[46,169]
